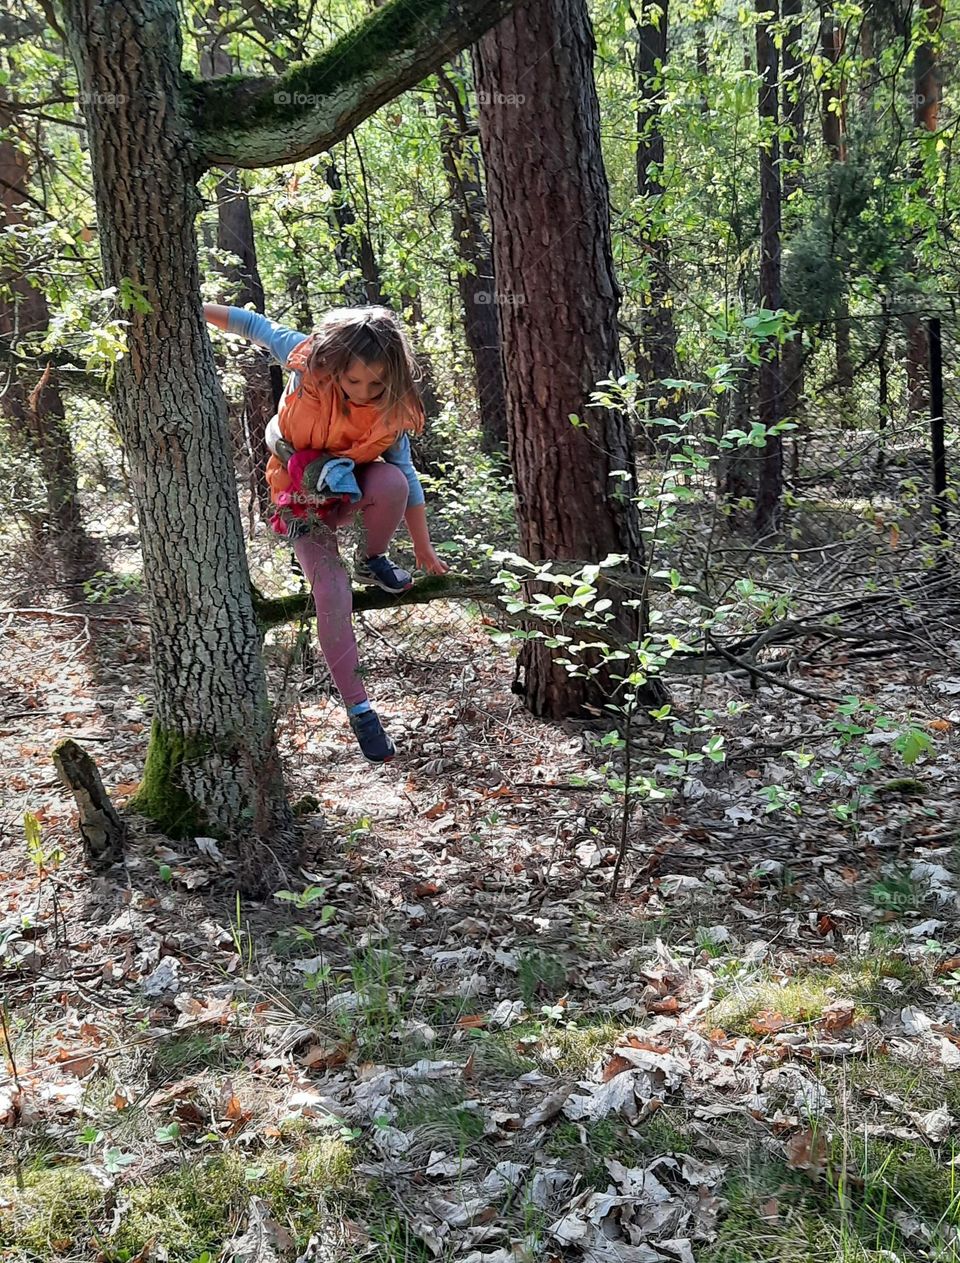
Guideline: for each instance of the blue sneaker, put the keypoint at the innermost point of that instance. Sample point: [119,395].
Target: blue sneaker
[375,744]
[380,571]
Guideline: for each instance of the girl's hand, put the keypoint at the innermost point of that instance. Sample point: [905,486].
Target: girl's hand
[428,560]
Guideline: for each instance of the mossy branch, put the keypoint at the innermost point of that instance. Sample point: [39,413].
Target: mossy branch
[448,587]
[271,611]
[262,121]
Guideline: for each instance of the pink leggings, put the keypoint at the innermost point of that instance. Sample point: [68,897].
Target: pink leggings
[383,501]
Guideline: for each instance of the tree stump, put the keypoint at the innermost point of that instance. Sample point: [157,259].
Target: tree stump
[102,831]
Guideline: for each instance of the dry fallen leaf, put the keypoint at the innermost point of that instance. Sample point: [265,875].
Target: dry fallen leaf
[549,1108]
[767,1022]
[616,1065]
[807,1151]
[837,1016]
[318,1057]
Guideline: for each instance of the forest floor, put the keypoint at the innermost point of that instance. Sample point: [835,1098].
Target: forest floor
[445,1040]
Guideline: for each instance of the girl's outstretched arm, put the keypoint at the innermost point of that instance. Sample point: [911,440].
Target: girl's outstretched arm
[215,314]
[278,339]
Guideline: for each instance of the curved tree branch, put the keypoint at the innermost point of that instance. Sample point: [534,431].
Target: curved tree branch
[252,121]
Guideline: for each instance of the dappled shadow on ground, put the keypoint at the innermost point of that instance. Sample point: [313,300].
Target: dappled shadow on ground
[752,1046]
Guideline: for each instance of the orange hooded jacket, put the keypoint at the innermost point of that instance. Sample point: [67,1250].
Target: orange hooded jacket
[309,417]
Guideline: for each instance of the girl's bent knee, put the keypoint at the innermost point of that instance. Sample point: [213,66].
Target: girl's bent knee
[385,480]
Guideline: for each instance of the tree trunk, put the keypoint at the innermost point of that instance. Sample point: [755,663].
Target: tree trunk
[557,297]
[235,235]
[360,285]
[657,349]
[102,832]
[428,449]
[791,86]
[927,98]
[212,763]
[770,481]
[36,418]
[834,123]
[475,281]
[883,389]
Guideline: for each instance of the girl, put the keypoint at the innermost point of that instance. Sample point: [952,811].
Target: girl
[350,394]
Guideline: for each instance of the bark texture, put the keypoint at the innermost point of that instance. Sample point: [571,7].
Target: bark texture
[557,298]
[102,831]
[212,763]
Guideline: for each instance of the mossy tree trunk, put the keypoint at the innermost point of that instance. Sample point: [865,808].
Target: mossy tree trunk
[212,763]
[558,298]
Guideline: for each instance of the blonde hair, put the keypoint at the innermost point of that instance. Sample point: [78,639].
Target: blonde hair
[373,335]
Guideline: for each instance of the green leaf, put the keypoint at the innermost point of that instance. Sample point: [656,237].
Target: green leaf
[912,744]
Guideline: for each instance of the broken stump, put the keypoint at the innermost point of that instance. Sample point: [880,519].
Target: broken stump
[102,831]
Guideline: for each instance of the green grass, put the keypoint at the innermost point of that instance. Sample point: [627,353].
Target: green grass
[585,1151]
[182,1054]
[921,1087]
[52,1215]
[855,1212]
[540,977]
[442,1116]
[194,1208]
[803,998]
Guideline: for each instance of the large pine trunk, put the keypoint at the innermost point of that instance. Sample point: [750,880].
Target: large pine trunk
[770,480]
[212,764]
[557,298]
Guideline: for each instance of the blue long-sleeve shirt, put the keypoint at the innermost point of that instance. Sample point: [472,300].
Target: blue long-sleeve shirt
[280,341]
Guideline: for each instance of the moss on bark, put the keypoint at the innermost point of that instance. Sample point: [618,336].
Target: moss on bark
[162,797]
[359,53]
[257,121]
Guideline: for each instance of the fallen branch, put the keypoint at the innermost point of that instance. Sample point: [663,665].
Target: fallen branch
[756,672]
